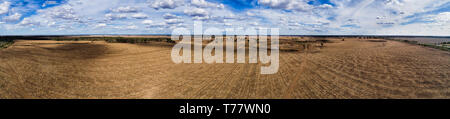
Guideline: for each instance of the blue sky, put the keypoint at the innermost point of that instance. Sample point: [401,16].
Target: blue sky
[293,17]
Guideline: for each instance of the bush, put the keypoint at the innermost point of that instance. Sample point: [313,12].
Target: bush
[5,42]
[436,47]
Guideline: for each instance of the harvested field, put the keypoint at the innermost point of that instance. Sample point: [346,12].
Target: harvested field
[353,68]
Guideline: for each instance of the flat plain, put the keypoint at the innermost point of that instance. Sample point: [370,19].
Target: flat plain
[350,68]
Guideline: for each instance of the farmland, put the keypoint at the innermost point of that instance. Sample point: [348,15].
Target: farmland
[98,67]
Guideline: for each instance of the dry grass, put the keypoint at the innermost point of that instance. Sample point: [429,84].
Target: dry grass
[343,69]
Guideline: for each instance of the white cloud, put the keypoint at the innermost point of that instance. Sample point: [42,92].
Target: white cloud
[132,27]
[51,24]
[250,14]
[393,2]
[254,23]
[64,12]
[170,16]
[4,7]
[49,3]
[100,25]
[201,18]
[140,16]
[158,25]
[298,5]
[441,19]
[12,18]
[173,21]
[166,4]
[147,22]
[116,16]
[127,9]
[230,16]
[205,4]
[29,22]
[196,12]
[325,6]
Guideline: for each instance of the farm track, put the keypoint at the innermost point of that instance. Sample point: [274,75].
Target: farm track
[350,69]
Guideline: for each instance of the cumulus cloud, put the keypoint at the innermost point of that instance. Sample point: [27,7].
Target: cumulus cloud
[166,4]
[170,16]
[116,16]
[173,21]
[196,12]
[12,18]
[325,6]
[66,12]
[205,4]
[4,7]
[442,19]
[147,22]
[127,9]
[100,25]
[140,16]
[230,16]
[393,2]
[49,3]
[29,22]
[250,14]
[297,5]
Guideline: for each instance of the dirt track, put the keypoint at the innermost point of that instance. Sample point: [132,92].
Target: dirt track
[345,69]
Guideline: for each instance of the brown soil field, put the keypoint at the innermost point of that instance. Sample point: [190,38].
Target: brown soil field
[354,68]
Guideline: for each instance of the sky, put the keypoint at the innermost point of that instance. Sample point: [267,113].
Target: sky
[292,17]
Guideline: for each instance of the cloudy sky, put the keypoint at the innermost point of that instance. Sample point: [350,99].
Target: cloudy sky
[293,17]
